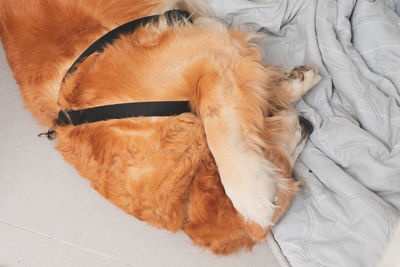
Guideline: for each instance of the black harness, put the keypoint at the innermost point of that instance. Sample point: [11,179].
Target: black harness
[125,110]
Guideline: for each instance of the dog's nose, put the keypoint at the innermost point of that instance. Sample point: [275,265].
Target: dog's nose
[306,126]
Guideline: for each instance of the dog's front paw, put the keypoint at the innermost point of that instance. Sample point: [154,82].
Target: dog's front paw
[250,184]
[303,79]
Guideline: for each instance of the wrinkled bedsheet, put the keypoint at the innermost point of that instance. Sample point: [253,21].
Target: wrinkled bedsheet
[350,201]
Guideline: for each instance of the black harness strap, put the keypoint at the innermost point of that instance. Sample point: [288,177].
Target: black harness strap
[127,28]
[125,110]
[120,111]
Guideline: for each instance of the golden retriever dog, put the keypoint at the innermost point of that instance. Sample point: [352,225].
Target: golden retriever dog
[221,172]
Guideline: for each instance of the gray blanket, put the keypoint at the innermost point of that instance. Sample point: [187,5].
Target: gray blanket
[350,202]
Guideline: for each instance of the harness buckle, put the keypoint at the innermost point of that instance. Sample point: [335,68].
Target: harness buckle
[50,134]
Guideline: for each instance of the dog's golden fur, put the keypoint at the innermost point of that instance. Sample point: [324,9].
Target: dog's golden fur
[160,170]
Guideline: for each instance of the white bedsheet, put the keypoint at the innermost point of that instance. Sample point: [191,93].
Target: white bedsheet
[348,208]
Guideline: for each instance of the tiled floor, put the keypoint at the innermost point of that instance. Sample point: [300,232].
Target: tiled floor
[49,215]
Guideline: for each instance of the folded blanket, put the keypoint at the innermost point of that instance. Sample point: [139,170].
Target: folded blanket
[349,205]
